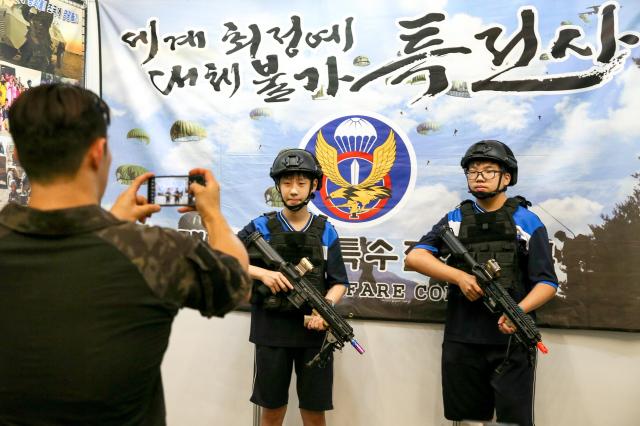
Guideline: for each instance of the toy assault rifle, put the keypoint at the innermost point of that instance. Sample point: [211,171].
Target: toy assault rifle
[339,330]
[495,297]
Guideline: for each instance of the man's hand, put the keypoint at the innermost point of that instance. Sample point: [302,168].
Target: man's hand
[505,325]
[221,237]
[469,286]
[131,206]
[207,197]
[315,322]
[275,280]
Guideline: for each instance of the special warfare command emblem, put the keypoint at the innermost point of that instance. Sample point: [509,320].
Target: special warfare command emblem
[368,168]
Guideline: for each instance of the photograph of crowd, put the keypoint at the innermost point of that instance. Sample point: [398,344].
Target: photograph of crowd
[13,82]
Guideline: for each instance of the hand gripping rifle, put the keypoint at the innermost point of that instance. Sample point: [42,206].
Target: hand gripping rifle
[339,331]
[495,297]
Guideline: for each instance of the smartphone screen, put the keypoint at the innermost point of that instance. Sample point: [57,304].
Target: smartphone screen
[170,190]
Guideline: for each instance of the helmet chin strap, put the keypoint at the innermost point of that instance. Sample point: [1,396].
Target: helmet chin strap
[297,207]
[484,195]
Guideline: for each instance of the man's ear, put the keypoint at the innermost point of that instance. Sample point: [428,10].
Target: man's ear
[97,152]
[314,184]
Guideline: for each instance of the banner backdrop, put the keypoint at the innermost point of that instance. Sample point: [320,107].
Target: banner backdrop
[41,41]
[389,95]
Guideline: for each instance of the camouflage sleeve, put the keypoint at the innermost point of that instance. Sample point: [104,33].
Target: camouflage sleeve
[223,284]
[182,270]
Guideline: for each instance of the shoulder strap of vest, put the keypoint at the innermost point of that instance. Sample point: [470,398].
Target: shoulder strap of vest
[466,208]
[317,225]
[273,223]
[512,203]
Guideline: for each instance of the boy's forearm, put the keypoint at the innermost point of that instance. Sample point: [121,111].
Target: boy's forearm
[538,296]
[422,261]
[336,292]
[256,272]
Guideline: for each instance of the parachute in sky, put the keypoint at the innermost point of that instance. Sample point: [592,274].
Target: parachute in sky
[418,79]
[139,135]
[459,89]
[361,61]
[187,131]
[126,173]
[259,113]
[319,95]
[427,127]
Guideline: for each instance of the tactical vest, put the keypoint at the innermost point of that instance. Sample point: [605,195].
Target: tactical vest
[493,235]
[292,246]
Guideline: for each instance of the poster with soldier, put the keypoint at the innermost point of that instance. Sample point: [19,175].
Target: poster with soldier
[41,41]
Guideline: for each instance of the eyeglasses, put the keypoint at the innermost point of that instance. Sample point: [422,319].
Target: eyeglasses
[486,174]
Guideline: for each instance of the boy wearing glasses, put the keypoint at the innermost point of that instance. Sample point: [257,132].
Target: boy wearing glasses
[483,369]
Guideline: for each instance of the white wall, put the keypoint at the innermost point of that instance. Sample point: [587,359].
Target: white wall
[588,378]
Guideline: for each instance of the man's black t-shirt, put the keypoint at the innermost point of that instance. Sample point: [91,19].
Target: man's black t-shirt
[86,307]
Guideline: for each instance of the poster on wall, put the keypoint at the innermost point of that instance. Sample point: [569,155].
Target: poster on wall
[41,41]
[389,95]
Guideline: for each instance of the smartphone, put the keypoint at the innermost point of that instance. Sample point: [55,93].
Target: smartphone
[172,190]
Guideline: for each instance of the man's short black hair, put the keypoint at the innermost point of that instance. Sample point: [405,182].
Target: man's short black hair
[53,126]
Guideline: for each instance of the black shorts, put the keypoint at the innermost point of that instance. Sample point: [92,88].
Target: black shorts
[475,381]
[272,376]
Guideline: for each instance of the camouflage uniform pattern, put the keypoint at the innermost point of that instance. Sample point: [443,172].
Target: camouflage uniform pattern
[87,302]
[179,269]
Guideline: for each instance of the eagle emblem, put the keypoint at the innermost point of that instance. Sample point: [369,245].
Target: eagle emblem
[357,195]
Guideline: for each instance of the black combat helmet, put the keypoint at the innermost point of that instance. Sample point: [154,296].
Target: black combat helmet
[492,150]
[296,161]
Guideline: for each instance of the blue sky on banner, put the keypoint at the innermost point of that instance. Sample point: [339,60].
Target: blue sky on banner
[576,150]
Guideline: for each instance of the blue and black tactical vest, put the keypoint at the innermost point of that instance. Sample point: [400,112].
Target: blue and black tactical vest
[493,235]
[292,246]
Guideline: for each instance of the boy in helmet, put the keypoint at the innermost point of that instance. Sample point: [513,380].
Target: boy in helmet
[483,368]
[277,328]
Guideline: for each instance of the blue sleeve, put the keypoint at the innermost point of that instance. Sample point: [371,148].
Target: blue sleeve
[432,241]
[257,224]
[336,273]
[244,233]
[540,265]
